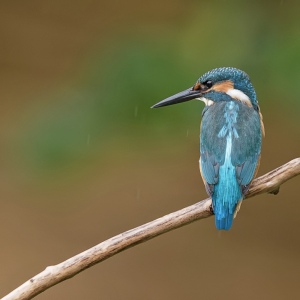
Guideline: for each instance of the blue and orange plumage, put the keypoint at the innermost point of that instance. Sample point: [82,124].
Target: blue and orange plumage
[230,139]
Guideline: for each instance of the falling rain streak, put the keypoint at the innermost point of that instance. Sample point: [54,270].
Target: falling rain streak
[138,193]
[135,111]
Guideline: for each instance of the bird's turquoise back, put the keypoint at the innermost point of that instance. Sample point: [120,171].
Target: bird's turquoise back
[230,144]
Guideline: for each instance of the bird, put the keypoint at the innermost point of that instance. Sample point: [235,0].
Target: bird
[231,135]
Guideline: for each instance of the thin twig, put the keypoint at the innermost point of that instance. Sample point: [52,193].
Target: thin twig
[52,275]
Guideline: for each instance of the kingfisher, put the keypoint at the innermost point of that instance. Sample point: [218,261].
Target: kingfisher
[230,137]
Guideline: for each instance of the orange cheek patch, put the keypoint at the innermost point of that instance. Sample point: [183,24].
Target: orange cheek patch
[197,86]
[223,86]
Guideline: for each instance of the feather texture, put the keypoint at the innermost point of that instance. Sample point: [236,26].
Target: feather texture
[230,148]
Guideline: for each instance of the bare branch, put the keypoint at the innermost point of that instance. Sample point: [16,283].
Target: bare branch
[52,275]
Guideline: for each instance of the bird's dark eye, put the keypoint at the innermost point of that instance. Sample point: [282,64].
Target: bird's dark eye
[208,84]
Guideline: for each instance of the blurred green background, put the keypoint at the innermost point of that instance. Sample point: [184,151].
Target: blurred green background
[83,157]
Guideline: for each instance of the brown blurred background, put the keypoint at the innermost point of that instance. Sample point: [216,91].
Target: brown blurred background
[83,157]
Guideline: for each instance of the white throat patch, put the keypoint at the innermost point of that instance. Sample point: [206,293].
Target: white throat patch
[206,101]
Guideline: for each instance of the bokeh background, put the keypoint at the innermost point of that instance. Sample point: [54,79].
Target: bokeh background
[83,157]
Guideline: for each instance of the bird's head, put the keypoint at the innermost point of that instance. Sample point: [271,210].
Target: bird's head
[221,84]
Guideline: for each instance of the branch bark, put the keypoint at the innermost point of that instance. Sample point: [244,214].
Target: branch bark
[52,275]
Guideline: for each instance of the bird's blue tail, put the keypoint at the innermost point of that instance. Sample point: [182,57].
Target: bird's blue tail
[227,194]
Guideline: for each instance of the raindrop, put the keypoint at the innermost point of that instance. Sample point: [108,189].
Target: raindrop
[138,193]
[135,111]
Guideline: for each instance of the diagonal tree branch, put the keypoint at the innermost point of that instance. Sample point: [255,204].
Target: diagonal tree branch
[52,275]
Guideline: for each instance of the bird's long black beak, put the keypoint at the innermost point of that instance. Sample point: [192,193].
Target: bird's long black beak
[184,96]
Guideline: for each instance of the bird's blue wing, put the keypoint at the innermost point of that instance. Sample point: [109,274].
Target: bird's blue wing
[245,147]
[212,148]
